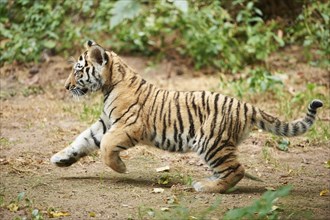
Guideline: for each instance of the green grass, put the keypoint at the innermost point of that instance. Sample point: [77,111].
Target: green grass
[262,208]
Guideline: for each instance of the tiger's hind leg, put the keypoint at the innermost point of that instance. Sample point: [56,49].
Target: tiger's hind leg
[227,171]
[112,144]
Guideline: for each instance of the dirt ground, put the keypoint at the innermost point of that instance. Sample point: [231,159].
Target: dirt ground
[39,118]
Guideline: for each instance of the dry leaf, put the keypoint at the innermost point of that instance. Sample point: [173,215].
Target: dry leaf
[172,200]
[13,207]
[163,169]
[324,192]
[270,188]
[92,214]
[165,209]
[55,214]
[158,190]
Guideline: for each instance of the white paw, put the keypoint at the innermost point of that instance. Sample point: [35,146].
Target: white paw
[198,186]
[62,160]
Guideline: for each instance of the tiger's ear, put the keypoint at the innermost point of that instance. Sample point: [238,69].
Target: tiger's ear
[96,53]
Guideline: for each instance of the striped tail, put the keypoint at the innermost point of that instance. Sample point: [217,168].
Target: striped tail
[288,129]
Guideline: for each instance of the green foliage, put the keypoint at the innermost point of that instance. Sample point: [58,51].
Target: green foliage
[207,34]
[91,112]
[312,27]
[30,27]
[260,80]
[122,10]
[260,209]
[169,178]
[177,211]
[22,202]
[226,35]
[257,80]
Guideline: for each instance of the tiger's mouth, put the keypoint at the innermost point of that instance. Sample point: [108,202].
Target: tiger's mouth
[79,91]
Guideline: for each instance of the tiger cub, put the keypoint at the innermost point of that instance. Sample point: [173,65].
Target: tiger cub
[135,111]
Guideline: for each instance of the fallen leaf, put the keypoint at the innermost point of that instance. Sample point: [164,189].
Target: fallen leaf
[151,213]
[324,192]
[270,188]
[163,169]
[92,214]
[327,164]
[55,214]
[172,200]
[165,209]
[13,207]
[158,190]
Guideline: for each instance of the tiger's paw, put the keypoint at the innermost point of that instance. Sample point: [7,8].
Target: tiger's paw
[61,159]
[209,186]
[119,167]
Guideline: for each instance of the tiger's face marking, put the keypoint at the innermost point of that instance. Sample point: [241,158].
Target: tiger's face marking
[135,111]
[86,75]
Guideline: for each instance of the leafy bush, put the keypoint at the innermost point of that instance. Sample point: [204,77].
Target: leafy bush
[226,35]
[208,34]
[312,27]
[30,27]
[260,209]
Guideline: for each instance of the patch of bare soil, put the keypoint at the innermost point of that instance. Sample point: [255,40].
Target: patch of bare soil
[39,118]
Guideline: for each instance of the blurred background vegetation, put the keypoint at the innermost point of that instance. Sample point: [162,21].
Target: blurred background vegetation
[223,35]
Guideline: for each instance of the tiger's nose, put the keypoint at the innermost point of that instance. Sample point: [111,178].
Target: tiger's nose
[68,86]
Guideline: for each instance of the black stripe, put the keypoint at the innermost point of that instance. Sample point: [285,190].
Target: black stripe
[262,125]
[132,140]
[221,160]
[112,111]
[88,76]
[278,127]
[246,109]
[311,115]
[96,142]
[165,95]
[142,105]
[175,134]
[153,104]
[208,109]
[223,107]
[141,83]
[164,130]
[303,125]
[231,170]
[122,147]
[203,98]
[237,130]
[253,115]
[295,128]
[178,112]
[286,129]
[169,114]
[133,78]
[194,104]
[312,111]
[103,125]
[215,116]
[191,121]
[129,108]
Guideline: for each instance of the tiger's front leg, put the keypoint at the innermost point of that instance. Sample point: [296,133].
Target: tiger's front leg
[113,142]
[87,142]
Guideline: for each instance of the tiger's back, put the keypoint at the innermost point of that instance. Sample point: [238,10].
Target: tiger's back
[136,111]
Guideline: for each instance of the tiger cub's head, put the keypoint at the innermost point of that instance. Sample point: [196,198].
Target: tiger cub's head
[89,73]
